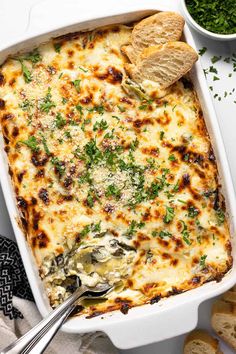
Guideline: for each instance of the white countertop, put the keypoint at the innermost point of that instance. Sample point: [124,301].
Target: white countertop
[13,23]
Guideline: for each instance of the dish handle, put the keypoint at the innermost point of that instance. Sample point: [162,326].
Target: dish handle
[157,327]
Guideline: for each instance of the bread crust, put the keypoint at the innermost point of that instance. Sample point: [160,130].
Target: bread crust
[223,321]
[164,64]
[157,29]
[203,338]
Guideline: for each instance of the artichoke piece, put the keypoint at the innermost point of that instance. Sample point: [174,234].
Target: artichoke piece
[133,88]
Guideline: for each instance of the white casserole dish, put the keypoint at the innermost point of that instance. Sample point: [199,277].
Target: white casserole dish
[177,314]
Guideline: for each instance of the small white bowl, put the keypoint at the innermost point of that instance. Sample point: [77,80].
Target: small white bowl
[200,29]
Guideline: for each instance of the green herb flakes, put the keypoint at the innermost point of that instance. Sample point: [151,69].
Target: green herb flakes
[46,103]
[214,15]
[32,143]
[202,51]
[60,122]
[202,262]
[169,216]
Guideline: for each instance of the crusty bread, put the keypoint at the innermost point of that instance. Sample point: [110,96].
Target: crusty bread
[165,63]
[156,29]
[229,296]
[233,288]
[223,321]
[201,342]
[128,50]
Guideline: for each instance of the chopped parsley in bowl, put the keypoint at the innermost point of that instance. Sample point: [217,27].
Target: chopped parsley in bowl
[212,18]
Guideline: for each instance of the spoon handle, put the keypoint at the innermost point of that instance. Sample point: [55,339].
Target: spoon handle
[24,344]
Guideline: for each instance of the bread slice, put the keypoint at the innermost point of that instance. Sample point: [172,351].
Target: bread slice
[229,296]
[201,342]
[128,50]
[164,64]
[156,29]
[223,321]
[233,288]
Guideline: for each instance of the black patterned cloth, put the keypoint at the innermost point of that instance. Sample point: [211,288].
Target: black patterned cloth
[13,280]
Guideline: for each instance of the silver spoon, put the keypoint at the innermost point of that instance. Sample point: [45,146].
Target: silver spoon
[39,337]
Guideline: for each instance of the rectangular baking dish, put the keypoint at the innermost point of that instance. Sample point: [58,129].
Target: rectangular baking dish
[172,316]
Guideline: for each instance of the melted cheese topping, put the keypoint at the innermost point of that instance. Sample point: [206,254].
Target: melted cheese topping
[113,184]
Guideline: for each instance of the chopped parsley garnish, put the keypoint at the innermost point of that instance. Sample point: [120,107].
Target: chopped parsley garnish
[220,216]
[102,125]
[176,187]
[215,59]
[164,233]
[185,233]
[203,261]
[93,154]
[26,105]
[32,143]
[162,135]
[26,73]
[214,15]
[96,227]
[79,108]
[134,225]
[99,109]
[46,103]
[64,100]
[67,134]
[60,122]
[85,122]
[76,84]
[134,145]
[202,51]
[57,47]
[192,212]
[90,198]
[33,56]
[85,178]
[213,70]
[172,158]
[84,231]
[82,69]
[215,78]
[113,191]
[45,146]
[170,213]
[59,165]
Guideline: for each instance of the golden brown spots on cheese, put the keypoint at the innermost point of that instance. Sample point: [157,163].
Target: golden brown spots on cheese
[138,123]
[165,119]
[40,241]
[2,79]
[111,74]
[2,104]
[95,179]
[44,195]
[152,151]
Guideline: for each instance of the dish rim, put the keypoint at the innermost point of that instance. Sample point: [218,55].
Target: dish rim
[189,303]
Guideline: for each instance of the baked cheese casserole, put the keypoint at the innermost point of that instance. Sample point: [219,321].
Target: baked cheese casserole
[115,182]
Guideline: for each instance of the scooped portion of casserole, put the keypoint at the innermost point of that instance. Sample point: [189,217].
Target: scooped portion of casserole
[115,181]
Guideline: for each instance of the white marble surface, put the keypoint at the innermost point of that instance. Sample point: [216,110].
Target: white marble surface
[17,22]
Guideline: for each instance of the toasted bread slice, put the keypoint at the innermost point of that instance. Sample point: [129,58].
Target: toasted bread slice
[128,50]
[223,321]
[229,296]
[156,29]
[233,288]
[164,64]
[201,342]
